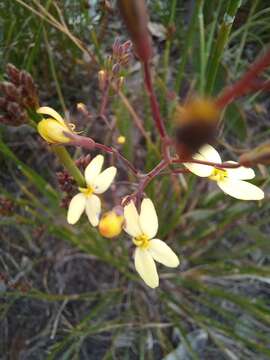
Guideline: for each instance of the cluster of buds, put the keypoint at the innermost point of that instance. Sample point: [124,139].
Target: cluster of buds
[6,207]
[135,15]
[114,64]
[18,95]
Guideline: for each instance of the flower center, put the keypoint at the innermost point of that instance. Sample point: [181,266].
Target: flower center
[142,241]
[218,174]
[86,191]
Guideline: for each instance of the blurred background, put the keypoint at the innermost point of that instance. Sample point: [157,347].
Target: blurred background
[68,293]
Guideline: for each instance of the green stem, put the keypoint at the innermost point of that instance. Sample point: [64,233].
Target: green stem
[222,40]
[244,36]
[69,164]
[187,46]
[53,70]
[202,49]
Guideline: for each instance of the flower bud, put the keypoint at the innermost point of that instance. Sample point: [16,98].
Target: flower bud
[135,16]
[111,223]
[121,140]
[52,130]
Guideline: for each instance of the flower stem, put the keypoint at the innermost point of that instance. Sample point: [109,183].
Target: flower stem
[69,164]
[222,40]
[153,100]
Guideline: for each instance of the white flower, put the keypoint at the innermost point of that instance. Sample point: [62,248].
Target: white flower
[143,228]
[97,183]
[229,180]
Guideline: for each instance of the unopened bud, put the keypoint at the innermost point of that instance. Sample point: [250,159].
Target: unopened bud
[102,79]
[135,16]
[260,155]
[116,68]
[120,82]
[14,110]
[13,74]
[10,91]
[121,140]
[53,129]
[111,223]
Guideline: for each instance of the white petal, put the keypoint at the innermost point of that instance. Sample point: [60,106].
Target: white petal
[199,169]
[46,110]
[146,267]
[102,182]
[76,208]
[210,154]
[93,209]
[93,169]
[241,190]
[240,173]
[162,253]
[131,216]
[148,218]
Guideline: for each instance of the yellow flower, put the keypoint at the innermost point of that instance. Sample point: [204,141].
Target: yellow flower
[143,228]
[229,180]
[51,129]
[110,224]
[121,140]
[87,200]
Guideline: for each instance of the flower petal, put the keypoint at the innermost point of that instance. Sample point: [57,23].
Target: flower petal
[93,209]
[241,190]
[102,182]
[93,169]
[240,173]
[131,216]
[146,267]
[210,154]
[76,208]
[46,110]
[162,253]
[148,218]
[199,169]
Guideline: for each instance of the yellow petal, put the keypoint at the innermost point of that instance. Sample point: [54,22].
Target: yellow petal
[76,208]
[52,131]
[210,154]
[131,217]
[93,209]
[103,181]
[198,169]
[162,253]
[241,190]
[240,173]
[148,218]
[93,169]
[146,267]
[46,110]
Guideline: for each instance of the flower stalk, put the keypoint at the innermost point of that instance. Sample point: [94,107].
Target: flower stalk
[65,159]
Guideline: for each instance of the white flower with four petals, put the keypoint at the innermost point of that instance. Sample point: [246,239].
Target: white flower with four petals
[86,200]
[229,180]
[143,228]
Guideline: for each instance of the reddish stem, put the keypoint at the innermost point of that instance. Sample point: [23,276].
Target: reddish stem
[153,100]
[225,165]
[90,144]
[145,181]
[104,103]
[245,84]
